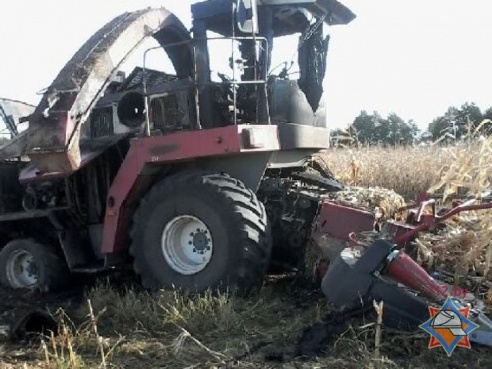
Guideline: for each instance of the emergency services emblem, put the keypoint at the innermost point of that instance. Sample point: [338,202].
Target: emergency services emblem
[449,327]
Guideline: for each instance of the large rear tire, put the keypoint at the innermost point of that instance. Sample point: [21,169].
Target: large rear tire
[198,230]
[24,263]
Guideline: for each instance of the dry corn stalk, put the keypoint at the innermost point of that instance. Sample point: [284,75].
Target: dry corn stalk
[373,199]
[463,248]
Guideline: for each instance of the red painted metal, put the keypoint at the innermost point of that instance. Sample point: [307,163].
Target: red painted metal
[429,222]
[405,270]
[340,221]
[396,229]
[176,147]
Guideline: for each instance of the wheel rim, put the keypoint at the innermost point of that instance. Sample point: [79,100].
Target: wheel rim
[22,271]
[187,244]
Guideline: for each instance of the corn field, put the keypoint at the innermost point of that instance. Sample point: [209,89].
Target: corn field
[464,248]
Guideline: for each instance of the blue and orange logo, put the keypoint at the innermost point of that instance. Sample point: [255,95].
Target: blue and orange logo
[449,327]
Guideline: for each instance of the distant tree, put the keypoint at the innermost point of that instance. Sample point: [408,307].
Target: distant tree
[410,132]
[444,125]
[338,137]
[365,127]
[373,129]
[468,118]
[487,115]
[423,138]
[400,132]
[456,122]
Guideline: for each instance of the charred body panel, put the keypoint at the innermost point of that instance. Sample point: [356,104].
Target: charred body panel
[53,136]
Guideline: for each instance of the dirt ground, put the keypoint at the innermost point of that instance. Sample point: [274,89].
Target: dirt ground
[288,325]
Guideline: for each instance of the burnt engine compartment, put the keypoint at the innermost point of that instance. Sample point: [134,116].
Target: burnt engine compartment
[122,109]
[83,193]
[255,96]
[172,106]
[17,197]
[10,190]
[292,199]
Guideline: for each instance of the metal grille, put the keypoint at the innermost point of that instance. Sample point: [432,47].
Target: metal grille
[102,122]
[165,114]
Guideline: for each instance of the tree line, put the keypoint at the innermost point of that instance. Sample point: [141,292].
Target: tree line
[373,129]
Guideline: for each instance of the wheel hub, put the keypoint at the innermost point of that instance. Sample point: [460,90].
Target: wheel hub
[22,271]
[200,241]
[187,244]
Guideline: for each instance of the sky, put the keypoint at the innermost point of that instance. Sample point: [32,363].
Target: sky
[414,58]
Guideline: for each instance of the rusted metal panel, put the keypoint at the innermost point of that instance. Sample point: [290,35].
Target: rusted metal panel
[89,150]
[53,137]
[31,173]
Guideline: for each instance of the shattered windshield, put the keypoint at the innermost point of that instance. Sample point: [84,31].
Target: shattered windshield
[12,114]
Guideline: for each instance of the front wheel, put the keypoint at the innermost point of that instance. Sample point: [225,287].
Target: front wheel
[24,263]
[197,230]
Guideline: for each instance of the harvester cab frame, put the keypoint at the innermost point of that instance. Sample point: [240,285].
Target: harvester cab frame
[253,95]
[255,25]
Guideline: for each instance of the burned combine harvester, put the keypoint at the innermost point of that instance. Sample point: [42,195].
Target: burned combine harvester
[197,183]
[167,170]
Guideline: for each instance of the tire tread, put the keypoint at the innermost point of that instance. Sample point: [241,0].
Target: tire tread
[250,216]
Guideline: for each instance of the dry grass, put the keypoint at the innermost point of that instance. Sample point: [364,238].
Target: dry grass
[406,170]
[132,329]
